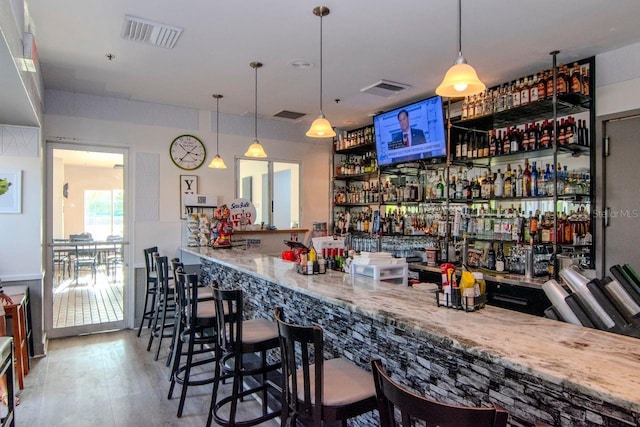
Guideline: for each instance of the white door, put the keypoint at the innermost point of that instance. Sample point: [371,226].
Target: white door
[87,240]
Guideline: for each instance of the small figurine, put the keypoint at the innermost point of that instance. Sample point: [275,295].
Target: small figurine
[223,229]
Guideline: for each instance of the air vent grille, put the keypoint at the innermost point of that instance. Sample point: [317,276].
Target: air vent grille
[291,115]
[149,32]
[385,88]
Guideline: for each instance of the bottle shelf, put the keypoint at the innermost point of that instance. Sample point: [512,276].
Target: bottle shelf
[357,149]
[572,103]
[357,176]
[356,204]
[483,162]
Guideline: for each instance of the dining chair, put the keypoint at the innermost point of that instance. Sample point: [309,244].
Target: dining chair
[393,397]
[315,390]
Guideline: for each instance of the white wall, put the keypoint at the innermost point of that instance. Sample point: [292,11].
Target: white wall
[618,80]
[21,233]
[95,120]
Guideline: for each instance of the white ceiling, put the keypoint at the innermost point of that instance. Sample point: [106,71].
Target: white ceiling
[406,41]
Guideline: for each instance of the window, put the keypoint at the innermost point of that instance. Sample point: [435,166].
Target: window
[274,190]
[103,213]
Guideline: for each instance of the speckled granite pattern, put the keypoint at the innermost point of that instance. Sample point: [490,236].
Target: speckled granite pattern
[536,368]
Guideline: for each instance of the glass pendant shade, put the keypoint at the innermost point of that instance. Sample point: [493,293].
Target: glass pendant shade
[321,128]
[461,80]
[217,163]
[255,150]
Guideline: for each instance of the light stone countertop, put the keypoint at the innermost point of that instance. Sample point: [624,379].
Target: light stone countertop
[597,363]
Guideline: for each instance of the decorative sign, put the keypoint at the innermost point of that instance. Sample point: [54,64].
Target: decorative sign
[243,213]
[188,185]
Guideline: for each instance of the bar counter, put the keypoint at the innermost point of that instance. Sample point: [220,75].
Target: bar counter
[536,368]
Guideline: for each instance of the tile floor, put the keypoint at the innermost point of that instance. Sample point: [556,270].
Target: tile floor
[108,380]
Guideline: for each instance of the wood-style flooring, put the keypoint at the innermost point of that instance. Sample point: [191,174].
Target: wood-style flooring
[110,380]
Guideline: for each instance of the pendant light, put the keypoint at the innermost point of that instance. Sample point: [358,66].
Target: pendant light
[255,149]
[217,162]
[321,128]
[461,79]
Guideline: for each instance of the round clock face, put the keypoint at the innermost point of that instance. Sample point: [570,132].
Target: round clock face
[187,152]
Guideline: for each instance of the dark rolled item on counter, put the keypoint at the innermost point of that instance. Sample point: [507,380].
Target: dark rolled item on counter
[620,298]
[626,277]
[595,288]
[580,313]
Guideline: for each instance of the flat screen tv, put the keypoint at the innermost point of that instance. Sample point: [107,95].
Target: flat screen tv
[409,133]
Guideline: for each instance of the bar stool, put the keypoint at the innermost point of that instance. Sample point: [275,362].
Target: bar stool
[197,323]
[238,341]
[150,286]
[163,319]
[391,396]
[317,390]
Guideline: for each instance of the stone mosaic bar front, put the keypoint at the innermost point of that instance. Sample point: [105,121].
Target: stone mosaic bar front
[536,368]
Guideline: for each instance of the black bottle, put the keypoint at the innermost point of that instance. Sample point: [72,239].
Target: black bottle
[491,258]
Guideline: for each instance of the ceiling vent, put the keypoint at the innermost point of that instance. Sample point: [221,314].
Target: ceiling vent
[289,115]
[385,88]
[149,32]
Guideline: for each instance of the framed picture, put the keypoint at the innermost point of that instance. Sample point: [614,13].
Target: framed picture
[11,192]
[188,185]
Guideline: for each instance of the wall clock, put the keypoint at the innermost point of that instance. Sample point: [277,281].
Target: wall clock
[187,152]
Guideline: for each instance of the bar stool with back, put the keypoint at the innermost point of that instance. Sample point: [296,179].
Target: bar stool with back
[242,348]
[391,396]
[164,316]
[149,288]
[197,324]
[317,390]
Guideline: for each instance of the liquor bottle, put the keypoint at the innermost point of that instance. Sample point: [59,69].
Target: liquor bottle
[576,79]
[492,143]
[491,258]
[499,143]
[519,183]
[466,187]
[534,180]
[475,189]
[498,186]
[585,80]
[549,79]
[508,184]
[533,89]
[526,179]
[485,145]
[440,188]
[563,80]
[500,258]
[525,91]
[533,227]
[464,148]
[545,137]
[516,94]
[464,109]
[542,86]
[506,142]
[514,143]
[459,185]
[542,185]
[458,154]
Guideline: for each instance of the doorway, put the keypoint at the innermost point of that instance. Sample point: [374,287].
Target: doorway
[86,232]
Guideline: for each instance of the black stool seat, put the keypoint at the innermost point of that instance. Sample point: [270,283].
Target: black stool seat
[242,349]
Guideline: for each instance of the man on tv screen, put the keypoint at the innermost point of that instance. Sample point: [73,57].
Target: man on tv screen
[408,135]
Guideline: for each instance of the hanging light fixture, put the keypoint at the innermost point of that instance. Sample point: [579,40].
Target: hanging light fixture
[217,162]
[461,79]
[255,149]
[321,128]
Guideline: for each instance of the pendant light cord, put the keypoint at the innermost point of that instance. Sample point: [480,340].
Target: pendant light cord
[218,126]
[321,13]
[460,27]
[256,104]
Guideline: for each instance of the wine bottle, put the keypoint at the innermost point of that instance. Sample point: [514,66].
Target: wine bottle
[500,258]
